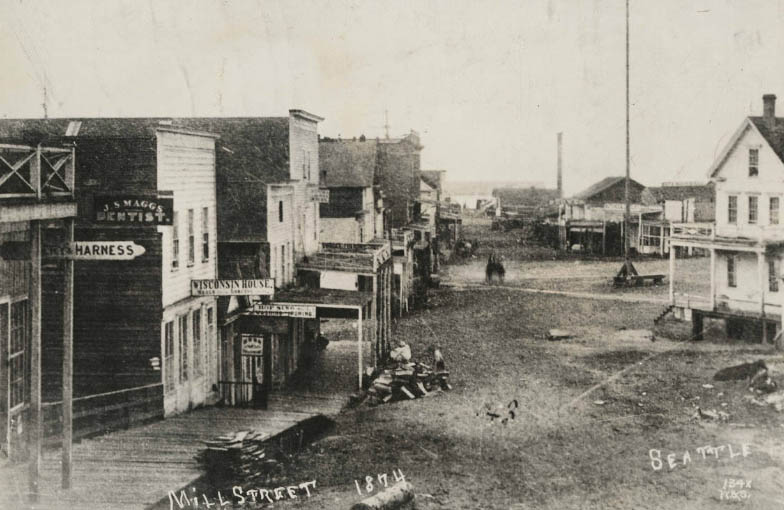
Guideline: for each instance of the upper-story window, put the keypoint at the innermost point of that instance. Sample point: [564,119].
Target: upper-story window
[191,239]
[773,211]
[753,162]
[732,209]
[753,209]
[731,281]
[205,234]
[773,277]
[280,211]
[304,164]
[308,162]
[175,242]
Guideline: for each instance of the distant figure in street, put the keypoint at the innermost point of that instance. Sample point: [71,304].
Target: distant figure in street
[495,269]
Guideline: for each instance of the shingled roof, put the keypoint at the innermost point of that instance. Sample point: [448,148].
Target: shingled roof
[774,137]
[348,164]
[703,192]
[250,153]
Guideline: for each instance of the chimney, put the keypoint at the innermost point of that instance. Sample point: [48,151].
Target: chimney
[769,110]
[560,163]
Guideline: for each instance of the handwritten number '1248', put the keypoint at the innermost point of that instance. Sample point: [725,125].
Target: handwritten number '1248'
[382,478]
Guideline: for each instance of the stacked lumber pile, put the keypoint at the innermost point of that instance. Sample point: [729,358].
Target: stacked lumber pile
[236,456]
[405,381]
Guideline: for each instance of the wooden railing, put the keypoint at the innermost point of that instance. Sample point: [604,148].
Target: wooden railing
[103,412]
[702,230]
[36,172]
[242,394]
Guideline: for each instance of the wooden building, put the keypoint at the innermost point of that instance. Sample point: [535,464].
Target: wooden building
[354,212]
[36,195]
[143,346]
[268,220]
[593,219]
[746,242]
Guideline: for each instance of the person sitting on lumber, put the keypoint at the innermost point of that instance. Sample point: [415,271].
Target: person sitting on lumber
[438,359]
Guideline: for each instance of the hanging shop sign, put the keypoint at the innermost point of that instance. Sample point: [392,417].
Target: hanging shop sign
[133,210]
[283,310]
[252,345]
[382,255]
[264,287]
[94,250]
[320,195]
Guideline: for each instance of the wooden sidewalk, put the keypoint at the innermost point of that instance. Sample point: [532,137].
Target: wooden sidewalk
[135,468]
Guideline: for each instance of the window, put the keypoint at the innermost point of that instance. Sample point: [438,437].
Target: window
[210,335]
[773,279]
[304,164]
[168,356]
[282,263]
[183,323]
[315,222]
[175,242]
[753,202]
[205,234]
[280,211]
[731,282]
[753,162]
[773,211]
[308,162]
[197,361]
[191,239]
[732,209]
[16,354]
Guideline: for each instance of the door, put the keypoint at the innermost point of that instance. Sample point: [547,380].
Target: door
[254,373]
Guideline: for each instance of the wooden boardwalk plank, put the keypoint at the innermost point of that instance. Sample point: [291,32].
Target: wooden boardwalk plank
[137,467]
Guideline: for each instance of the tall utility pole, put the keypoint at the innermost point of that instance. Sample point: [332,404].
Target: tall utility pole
[627,211]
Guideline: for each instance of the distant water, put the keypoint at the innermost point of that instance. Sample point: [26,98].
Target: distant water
[469,201]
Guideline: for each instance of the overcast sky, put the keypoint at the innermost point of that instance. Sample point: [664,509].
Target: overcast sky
[487,84]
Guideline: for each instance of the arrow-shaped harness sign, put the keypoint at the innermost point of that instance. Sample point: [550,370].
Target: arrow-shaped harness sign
[94,250]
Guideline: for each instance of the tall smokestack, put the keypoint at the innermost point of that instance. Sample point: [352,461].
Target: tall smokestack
[560,163]
[769,110]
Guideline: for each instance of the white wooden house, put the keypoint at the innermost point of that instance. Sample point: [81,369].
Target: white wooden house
[746,241]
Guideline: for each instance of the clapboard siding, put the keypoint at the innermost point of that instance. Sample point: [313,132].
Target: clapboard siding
[117,314]
[186,166]
[281,233]
[304,164]
[14,274]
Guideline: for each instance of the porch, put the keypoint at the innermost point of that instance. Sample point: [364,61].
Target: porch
[740,287]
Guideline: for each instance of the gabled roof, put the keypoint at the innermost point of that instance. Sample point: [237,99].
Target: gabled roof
[348,164]
[600,186]
[774,137]
[703,192]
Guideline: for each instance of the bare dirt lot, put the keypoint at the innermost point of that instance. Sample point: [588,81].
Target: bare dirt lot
[606,418]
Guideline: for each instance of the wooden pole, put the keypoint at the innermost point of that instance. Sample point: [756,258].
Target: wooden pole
[35,431]
[68,361]
[712,278]
[672,274]
[360,367]
[627,211]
